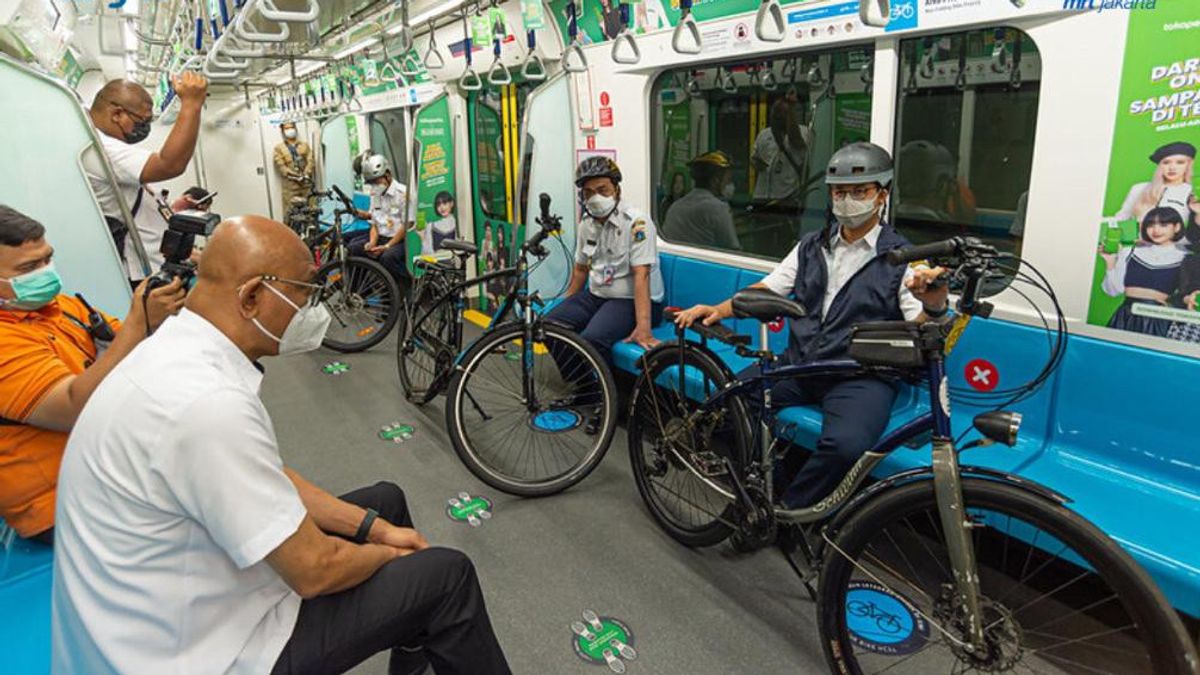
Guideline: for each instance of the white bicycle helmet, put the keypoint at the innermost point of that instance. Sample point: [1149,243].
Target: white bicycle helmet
[374,167]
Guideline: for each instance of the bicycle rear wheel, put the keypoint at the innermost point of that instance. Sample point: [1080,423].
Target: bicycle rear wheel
[364,301]
[537,442]
[674,448]
[425,352]
[1058,596]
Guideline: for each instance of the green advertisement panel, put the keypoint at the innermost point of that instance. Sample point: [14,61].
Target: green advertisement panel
[677,125]
[1147,272]
[851,118]
[436,212]
[599,20]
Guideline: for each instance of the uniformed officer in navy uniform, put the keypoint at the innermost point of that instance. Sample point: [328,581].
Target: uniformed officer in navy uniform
[842,278]
[616,288]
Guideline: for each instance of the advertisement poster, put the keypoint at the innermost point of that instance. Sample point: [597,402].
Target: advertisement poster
[1147,274]
[852,118]
[437,207]
[676,180]
[600,20]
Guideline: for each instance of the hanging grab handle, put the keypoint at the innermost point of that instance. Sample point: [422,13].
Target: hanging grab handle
[769,81]
[406,32]
[875,13]
[960,82]
[769,25]
[728,84]
[867,75]
[470,79]
[244,30]
[1000,51]
[533,69]
[1014,76]
[498,74]
[433,59]
[686,38]
[269,11]
[579,64]
[625,37]
[410,65]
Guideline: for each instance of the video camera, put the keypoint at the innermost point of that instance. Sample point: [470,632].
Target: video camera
[178,242]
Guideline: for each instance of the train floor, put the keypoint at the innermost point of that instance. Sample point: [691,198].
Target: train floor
[542,562]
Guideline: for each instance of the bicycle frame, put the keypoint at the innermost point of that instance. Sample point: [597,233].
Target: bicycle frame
[946,476]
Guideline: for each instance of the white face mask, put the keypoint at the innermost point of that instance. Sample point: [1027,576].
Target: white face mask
[727,192]
[599,206]
[289,134]
[304,332]
[853,212]
[375,190]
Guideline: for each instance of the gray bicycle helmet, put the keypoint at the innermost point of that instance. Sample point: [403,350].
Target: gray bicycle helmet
[597,166]
[859,163]
[374,167]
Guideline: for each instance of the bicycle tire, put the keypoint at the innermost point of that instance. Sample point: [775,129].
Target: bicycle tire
[361,271]
[653,367]
[418,387]
[486,470]
[1166,642]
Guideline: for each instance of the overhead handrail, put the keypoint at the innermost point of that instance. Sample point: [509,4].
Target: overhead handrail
[769,81]
[470,79]
[686,28]
[875,13]
[532,59]
[217,75]
[229,46]
[498,74]
[269,10]
[769,25]
[143,37]
[231,64]
[244,30]
[433,59]
[580,63]
[625,36]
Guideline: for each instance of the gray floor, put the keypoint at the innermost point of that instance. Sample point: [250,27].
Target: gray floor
[541,562]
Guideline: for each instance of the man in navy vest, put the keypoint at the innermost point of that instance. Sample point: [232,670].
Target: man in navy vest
[841,277]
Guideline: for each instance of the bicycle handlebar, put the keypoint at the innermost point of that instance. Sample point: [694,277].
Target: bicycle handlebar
[717,331]
[349,203]
[938,249]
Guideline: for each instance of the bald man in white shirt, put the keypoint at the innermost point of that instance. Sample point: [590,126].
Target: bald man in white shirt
[185,545]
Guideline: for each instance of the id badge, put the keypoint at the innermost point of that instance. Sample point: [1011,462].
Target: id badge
[609,273]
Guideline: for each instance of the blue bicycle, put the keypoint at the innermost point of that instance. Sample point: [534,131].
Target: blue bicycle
[996,571]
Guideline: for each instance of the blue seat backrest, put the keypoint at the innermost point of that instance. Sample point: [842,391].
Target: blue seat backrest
[700,282]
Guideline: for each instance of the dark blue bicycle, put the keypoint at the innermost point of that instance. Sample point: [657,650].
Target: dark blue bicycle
[997,571]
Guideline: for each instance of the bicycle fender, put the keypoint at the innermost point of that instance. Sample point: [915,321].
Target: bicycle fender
[926,473]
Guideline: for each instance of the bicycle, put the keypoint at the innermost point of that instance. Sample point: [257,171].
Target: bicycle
[1019,583]
[530,405]
[362,297]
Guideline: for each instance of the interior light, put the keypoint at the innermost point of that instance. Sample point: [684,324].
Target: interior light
[355,47]
[440,10]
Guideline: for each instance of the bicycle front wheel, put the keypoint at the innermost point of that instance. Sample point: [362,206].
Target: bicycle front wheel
[1057,595]
[364,301]
[425,353]
[531,420]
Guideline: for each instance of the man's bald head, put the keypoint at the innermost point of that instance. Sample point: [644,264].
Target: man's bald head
[249,246]
[119,106]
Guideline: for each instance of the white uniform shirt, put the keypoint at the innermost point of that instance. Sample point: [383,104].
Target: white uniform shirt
[387,210]
[842,263]
[127,162]
[779,180]
[171,495]
[611,249]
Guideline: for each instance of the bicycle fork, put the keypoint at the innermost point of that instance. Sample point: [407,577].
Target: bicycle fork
[956,526]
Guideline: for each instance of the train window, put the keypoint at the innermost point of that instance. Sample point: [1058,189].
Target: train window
[387,139]
[489,153]
[964,136]
[776,123]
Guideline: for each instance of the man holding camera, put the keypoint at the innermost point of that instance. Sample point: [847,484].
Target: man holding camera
[185,545]
[121,112]
[54,351]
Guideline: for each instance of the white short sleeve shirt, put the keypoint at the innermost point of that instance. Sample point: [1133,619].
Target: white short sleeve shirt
[387,209]
[171,495]
[127,162]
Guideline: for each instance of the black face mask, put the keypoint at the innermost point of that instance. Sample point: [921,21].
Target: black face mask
[139,132]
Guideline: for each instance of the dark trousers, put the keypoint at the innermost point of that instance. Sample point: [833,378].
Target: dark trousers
[854,414]
[428,601]
[602,321]
[394,260]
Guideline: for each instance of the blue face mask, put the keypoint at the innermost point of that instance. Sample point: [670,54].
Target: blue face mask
[34,290]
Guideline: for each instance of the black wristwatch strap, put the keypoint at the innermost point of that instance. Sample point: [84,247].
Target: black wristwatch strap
[360,537]
[937,314]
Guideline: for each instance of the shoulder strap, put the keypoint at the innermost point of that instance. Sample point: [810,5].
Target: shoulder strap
[137,201]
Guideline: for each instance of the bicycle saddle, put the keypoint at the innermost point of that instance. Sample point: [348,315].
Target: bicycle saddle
[460,246]
[765,305]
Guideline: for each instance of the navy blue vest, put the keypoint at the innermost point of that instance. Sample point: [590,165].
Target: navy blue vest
[872,294]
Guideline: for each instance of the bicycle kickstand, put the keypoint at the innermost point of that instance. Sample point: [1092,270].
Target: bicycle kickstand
[788,548]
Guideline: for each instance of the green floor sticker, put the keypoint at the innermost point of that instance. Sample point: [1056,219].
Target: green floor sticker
[396,432]
[335,368]
[468,509]
[603,640]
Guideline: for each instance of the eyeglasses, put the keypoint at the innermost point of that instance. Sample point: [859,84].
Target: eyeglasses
[136,117]
[856,192]
[605,190]
[314,298]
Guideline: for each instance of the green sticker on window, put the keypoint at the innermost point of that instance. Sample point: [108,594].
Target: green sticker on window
[481,30]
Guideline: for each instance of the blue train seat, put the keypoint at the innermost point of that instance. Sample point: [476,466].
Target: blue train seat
[1129,466]
[25,577]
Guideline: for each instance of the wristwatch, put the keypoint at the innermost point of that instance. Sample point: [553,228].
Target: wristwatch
[936,314]
[364,528]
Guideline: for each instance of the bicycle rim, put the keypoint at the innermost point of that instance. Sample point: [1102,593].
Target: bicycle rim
[425,355]
[363,302]
[1057,595]
[671,446]
[531,446]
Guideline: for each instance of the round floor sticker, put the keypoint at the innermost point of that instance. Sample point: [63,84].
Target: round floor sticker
[982,375]
[603,640]
[881,620]
[469,509]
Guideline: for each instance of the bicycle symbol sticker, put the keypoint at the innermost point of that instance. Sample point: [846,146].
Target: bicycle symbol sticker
[883,621]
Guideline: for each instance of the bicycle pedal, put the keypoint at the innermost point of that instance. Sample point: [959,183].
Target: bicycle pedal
[710,464]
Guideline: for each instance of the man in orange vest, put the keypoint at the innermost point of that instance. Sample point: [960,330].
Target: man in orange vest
[54,351]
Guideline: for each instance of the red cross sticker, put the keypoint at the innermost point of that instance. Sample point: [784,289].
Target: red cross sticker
[982,375]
